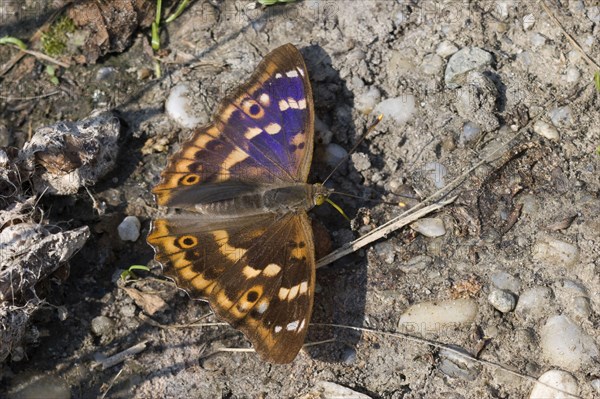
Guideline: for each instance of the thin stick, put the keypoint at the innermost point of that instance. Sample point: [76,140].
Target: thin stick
[124,355]
[438,345]
[111,384]
[381,231]
[568,36]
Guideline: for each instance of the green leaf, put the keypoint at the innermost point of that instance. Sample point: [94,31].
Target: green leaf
[126,274]
[13,40]
[597,80]
[182,5]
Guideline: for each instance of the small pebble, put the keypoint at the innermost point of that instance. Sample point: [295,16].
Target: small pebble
[596,385]
[361,161]
[129,229]
[331,390]
[428,317]
[546,130]
[366,102]
[445,49]
[561,116]
[38,385]
[528,21]
[385,250]
[429,227]
[559,379]
[502,300]
[565,345]
[105,73]
[416,264]
[334,153]
[572,75]
[593,13]
[537,40]
[432,64]
[554,251]
[534,302]
[127,310]
[177,107]
[102,325]
[349,356]
[469,133]
[505,281]
[400,109]
[465,60]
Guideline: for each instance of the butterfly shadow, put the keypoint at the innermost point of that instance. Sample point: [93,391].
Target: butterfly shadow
[341,287]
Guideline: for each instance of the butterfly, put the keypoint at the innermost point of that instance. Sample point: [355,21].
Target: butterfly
[242,238]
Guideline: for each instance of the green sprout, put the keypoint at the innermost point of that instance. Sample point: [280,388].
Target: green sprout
[271,2]
[127,274]
[51,71]
[54,41]
[597,80]
[13,40]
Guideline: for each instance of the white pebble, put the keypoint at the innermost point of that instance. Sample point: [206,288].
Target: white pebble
[534,302]
[537,40]
[593,13]
[432,64]
[429,317]
[445,49]
[596,385]
[367,101]
[361,161]
[429,227]
[400,109]
[502,300]
[561,116]
[462,62]
[129,229]
[561,380]
[566,345]
[470,132]
[505,281]
[553,251]
[331,390]
[546,130]
[572,75]
[528,21]
[334,153]
[178,107]
[102,325]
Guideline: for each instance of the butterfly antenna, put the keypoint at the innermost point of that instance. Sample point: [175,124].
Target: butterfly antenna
[399,203]
[360,140]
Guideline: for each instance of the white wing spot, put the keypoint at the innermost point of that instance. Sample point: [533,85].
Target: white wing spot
[293,292]
[302,104]
[283,105]
[252,132]
[302,325]
[273,128]
[293,325]
[262,307]
[250,272]
[303,288]
[292,74]
[277,329]
[278,76]
[292,103]
[283,293]
[265,99]
[301,71]
[271,270]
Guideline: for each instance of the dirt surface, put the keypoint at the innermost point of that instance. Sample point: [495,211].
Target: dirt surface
[529,192]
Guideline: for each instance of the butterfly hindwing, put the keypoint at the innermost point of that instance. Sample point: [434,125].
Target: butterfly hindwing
[257,273]
[262,133]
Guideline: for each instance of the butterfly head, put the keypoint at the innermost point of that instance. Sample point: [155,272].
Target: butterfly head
[320,194]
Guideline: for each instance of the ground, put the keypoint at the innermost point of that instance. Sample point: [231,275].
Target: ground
[531,189]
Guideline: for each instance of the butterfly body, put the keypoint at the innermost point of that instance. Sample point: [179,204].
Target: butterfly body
[242,238]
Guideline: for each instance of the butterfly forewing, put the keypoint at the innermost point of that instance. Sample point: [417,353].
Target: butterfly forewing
[261,133]
[254,264]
